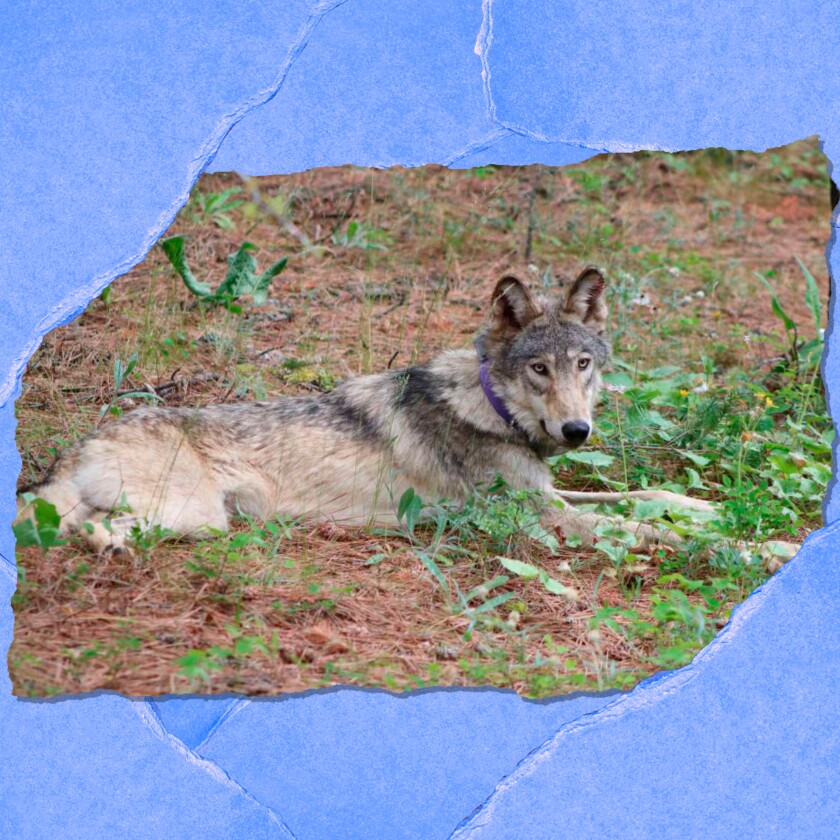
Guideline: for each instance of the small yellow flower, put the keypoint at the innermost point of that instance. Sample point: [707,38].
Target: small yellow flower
[769,403]
[760,395]
[683,392]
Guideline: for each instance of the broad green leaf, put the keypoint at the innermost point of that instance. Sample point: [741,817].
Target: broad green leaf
[119,372]
[556,588]
[699,460]
[650,508]
[592,458]
[405,500]
[241,274]
[174,250]
[41,528]
[694,481]
[524,570]
[264,283]
[654,418]
[618,379]
[412,515]
[775,305]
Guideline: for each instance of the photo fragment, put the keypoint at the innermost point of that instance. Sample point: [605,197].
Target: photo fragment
[716,291]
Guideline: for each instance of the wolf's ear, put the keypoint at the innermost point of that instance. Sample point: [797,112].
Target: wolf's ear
[586,300]
[512,305]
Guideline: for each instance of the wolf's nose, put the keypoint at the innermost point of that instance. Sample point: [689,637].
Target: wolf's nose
[575,432]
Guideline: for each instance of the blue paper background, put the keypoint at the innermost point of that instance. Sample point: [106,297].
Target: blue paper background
[110,112]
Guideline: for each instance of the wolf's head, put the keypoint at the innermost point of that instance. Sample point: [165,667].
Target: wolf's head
[544,355]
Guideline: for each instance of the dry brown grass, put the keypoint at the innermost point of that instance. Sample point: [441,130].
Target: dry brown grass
[124,623]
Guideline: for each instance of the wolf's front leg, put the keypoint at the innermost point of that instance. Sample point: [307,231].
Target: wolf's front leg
[588,497]
[584,524]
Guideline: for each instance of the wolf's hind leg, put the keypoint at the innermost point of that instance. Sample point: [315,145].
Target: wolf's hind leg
[101,538]
[196,517]
[164,483]
[116,535]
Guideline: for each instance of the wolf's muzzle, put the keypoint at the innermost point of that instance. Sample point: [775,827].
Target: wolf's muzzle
[570,433]
[575,432]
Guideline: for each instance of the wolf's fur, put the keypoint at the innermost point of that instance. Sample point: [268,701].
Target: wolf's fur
[349,455]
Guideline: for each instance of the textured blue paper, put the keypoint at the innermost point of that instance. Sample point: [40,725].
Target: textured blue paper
[383,84]
[110,112]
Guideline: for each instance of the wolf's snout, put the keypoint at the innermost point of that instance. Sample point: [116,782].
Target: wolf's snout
[575,431]
[569,432]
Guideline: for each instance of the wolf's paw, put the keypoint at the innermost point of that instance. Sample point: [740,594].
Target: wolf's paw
[116,550]
[775,553]
[584,526]
[105,541]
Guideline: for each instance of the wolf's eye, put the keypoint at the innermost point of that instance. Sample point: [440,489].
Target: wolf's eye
[539,368]
[583,363]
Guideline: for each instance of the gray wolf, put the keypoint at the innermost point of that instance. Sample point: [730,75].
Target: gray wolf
[444,428]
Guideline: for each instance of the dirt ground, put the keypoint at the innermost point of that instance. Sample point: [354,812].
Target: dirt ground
[387,267]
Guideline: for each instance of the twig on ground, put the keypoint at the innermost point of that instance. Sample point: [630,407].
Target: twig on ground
[284,221]
[207,376]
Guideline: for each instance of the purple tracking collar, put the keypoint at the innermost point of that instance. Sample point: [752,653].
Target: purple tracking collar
[493,398]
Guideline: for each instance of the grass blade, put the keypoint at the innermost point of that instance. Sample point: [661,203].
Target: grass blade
[812,295]
[433,568]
